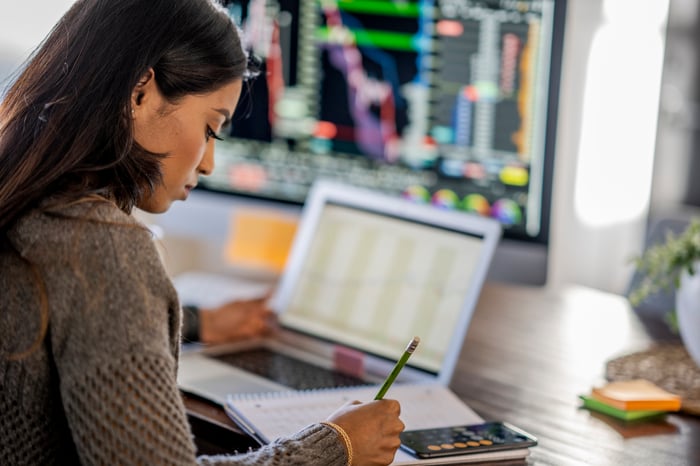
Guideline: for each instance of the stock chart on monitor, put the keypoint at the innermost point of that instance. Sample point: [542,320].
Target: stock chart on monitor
[443,102]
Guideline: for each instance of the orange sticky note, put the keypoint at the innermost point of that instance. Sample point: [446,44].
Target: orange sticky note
[637,394]
[260,239]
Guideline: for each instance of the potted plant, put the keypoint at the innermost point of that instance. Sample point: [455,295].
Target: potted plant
[675,264]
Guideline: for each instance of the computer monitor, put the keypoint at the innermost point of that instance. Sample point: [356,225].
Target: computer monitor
[447,102]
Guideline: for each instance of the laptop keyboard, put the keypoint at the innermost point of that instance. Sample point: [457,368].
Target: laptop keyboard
[294,373]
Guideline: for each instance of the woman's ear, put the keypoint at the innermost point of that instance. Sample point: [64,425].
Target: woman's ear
[143,93]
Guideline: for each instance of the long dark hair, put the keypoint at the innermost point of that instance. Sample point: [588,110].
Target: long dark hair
[65,126]
[65,123]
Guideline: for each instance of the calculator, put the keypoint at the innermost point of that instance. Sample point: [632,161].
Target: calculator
[465,439]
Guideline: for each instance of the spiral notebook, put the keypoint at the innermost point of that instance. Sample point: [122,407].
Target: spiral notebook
[267,416]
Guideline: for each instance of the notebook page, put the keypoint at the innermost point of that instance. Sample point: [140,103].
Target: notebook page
[276,414]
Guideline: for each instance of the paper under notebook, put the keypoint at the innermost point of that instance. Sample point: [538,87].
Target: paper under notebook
[267,416]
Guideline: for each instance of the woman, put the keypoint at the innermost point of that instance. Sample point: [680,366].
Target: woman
[119,108]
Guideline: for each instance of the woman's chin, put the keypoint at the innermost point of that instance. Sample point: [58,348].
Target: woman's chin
[157,207]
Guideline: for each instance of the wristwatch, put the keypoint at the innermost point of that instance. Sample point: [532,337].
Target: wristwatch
[190,323]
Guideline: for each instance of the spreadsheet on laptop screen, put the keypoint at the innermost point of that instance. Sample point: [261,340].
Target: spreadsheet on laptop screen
[373,281]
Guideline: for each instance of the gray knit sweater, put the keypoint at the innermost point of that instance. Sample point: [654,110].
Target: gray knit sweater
[101,386]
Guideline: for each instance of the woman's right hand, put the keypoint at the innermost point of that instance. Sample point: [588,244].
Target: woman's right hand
[373,428]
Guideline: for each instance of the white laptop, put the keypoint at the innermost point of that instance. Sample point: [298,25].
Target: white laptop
[366,273]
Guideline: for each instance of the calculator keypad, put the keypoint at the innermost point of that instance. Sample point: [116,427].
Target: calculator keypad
[461,437]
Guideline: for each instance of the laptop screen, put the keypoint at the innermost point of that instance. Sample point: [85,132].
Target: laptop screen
[371,278]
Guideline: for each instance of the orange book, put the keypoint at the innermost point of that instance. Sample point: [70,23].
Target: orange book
[637,394]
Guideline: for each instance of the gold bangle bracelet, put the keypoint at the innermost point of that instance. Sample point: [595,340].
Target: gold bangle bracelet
[344,436]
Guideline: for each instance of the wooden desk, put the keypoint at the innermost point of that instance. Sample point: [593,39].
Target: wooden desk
[530,352]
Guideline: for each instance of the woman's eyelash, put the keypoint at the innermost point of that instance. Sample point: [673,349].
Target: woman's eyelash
[212,134]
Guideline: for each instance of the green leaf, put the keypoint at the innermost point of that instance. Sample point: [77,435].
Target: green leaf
[661,265]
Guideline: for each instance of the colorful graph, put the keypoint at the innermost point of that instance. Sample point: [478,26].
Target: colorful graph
[445,199]
[476,203]
[369,62]
[417,194]
[507,212]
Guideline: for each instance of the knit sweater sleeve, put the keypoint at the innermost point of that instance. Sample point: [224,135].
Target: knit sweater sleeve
[114,335]
[128,413]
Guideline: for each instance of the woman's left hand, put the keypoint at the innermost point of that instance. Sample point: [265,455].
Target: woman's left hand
[235,321]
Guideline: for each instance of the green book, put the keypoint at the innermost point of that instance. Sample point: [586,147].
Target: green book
[597,405]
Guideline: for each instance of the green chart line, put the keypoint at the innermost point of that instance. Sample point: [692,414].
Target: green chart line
[388,8]
[381,39]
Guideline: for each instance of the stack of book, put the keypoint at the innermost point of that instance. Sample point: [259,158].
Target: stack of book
[631,400]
